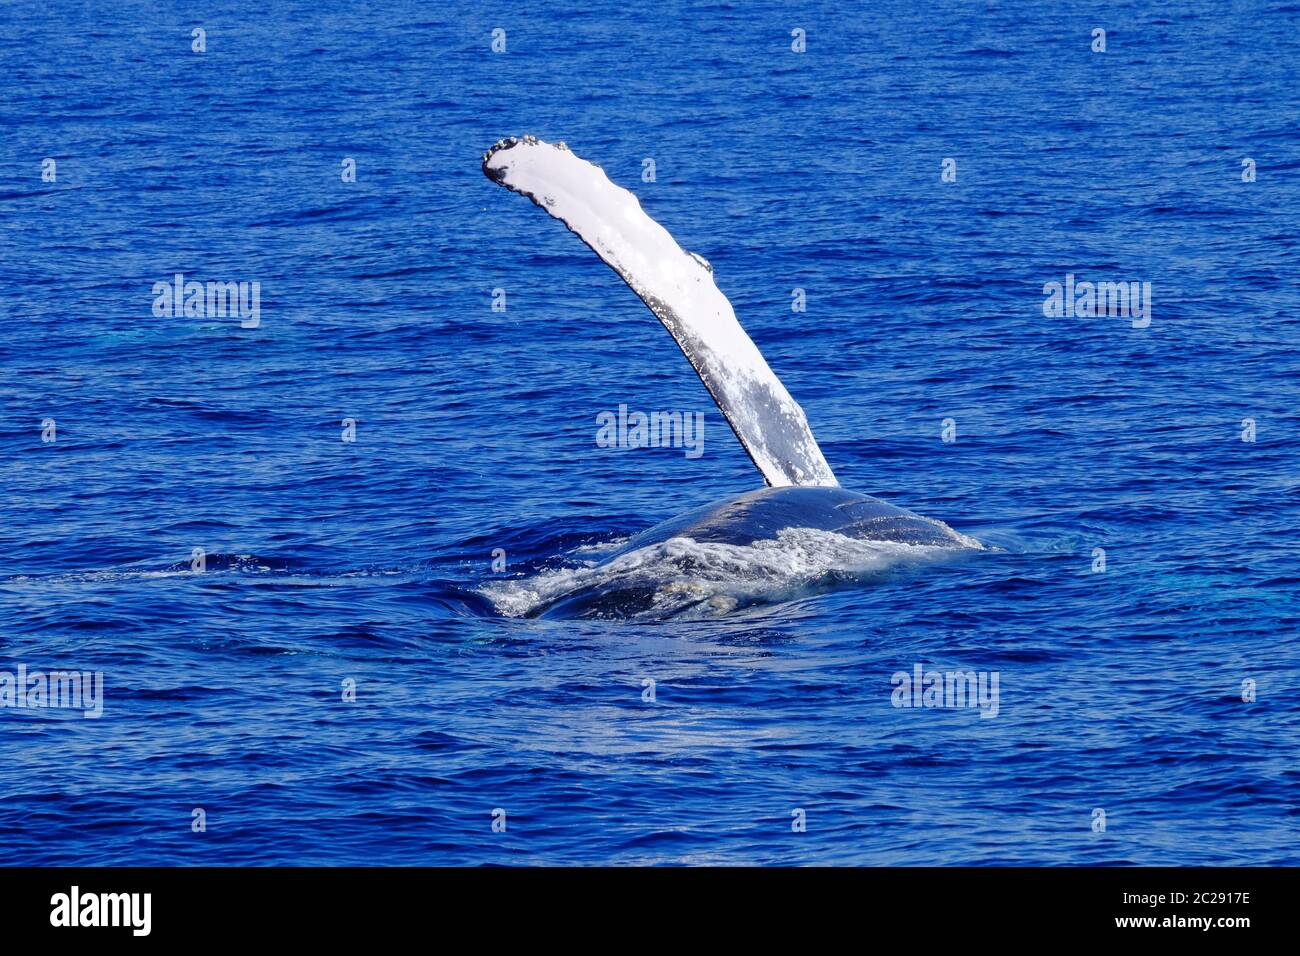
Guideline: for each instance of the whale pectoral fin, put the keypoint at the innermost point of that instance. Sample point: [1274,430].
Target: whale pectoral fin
[678,288]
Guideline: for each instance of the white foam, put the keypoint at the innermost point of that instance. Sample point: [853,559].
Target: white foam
[711,578]
[603,547]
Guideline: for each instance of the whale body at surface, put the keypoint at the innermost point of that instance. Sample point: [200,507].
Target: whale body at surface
[771,544]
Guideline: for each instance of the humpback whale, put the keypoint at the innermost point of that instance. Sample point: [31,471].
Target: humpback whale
[802,527]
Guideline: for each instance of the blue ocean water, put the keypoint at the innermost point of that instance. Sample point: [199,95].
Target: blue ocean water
[332,564]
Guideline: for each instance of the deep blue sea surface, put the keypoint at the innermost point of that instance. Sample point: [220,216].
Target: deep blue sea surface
[331,564]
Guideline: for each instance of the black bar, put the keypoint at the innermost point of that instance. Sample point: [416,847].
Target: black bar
[334,905]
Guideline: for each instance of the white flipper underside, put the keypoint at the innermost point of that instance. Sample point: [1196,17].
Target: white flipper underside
[678,287]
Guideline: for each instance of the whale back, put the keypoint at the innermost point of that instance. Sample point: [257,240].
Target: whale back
[765,546]
[760,515]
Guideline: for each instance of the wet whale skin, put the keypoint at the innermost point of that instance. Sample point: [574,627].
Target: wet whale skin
[759,515]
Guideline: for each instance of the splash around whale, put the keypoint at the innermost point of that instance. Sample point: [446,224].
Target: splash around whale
[801,534]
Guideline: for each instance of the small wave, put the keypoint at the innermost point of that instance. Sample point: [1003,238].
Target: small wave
[216,566]
[682,577]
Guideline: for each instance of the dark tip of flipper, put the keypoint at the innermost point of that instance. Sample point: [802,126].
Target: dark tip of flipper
[496,175]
